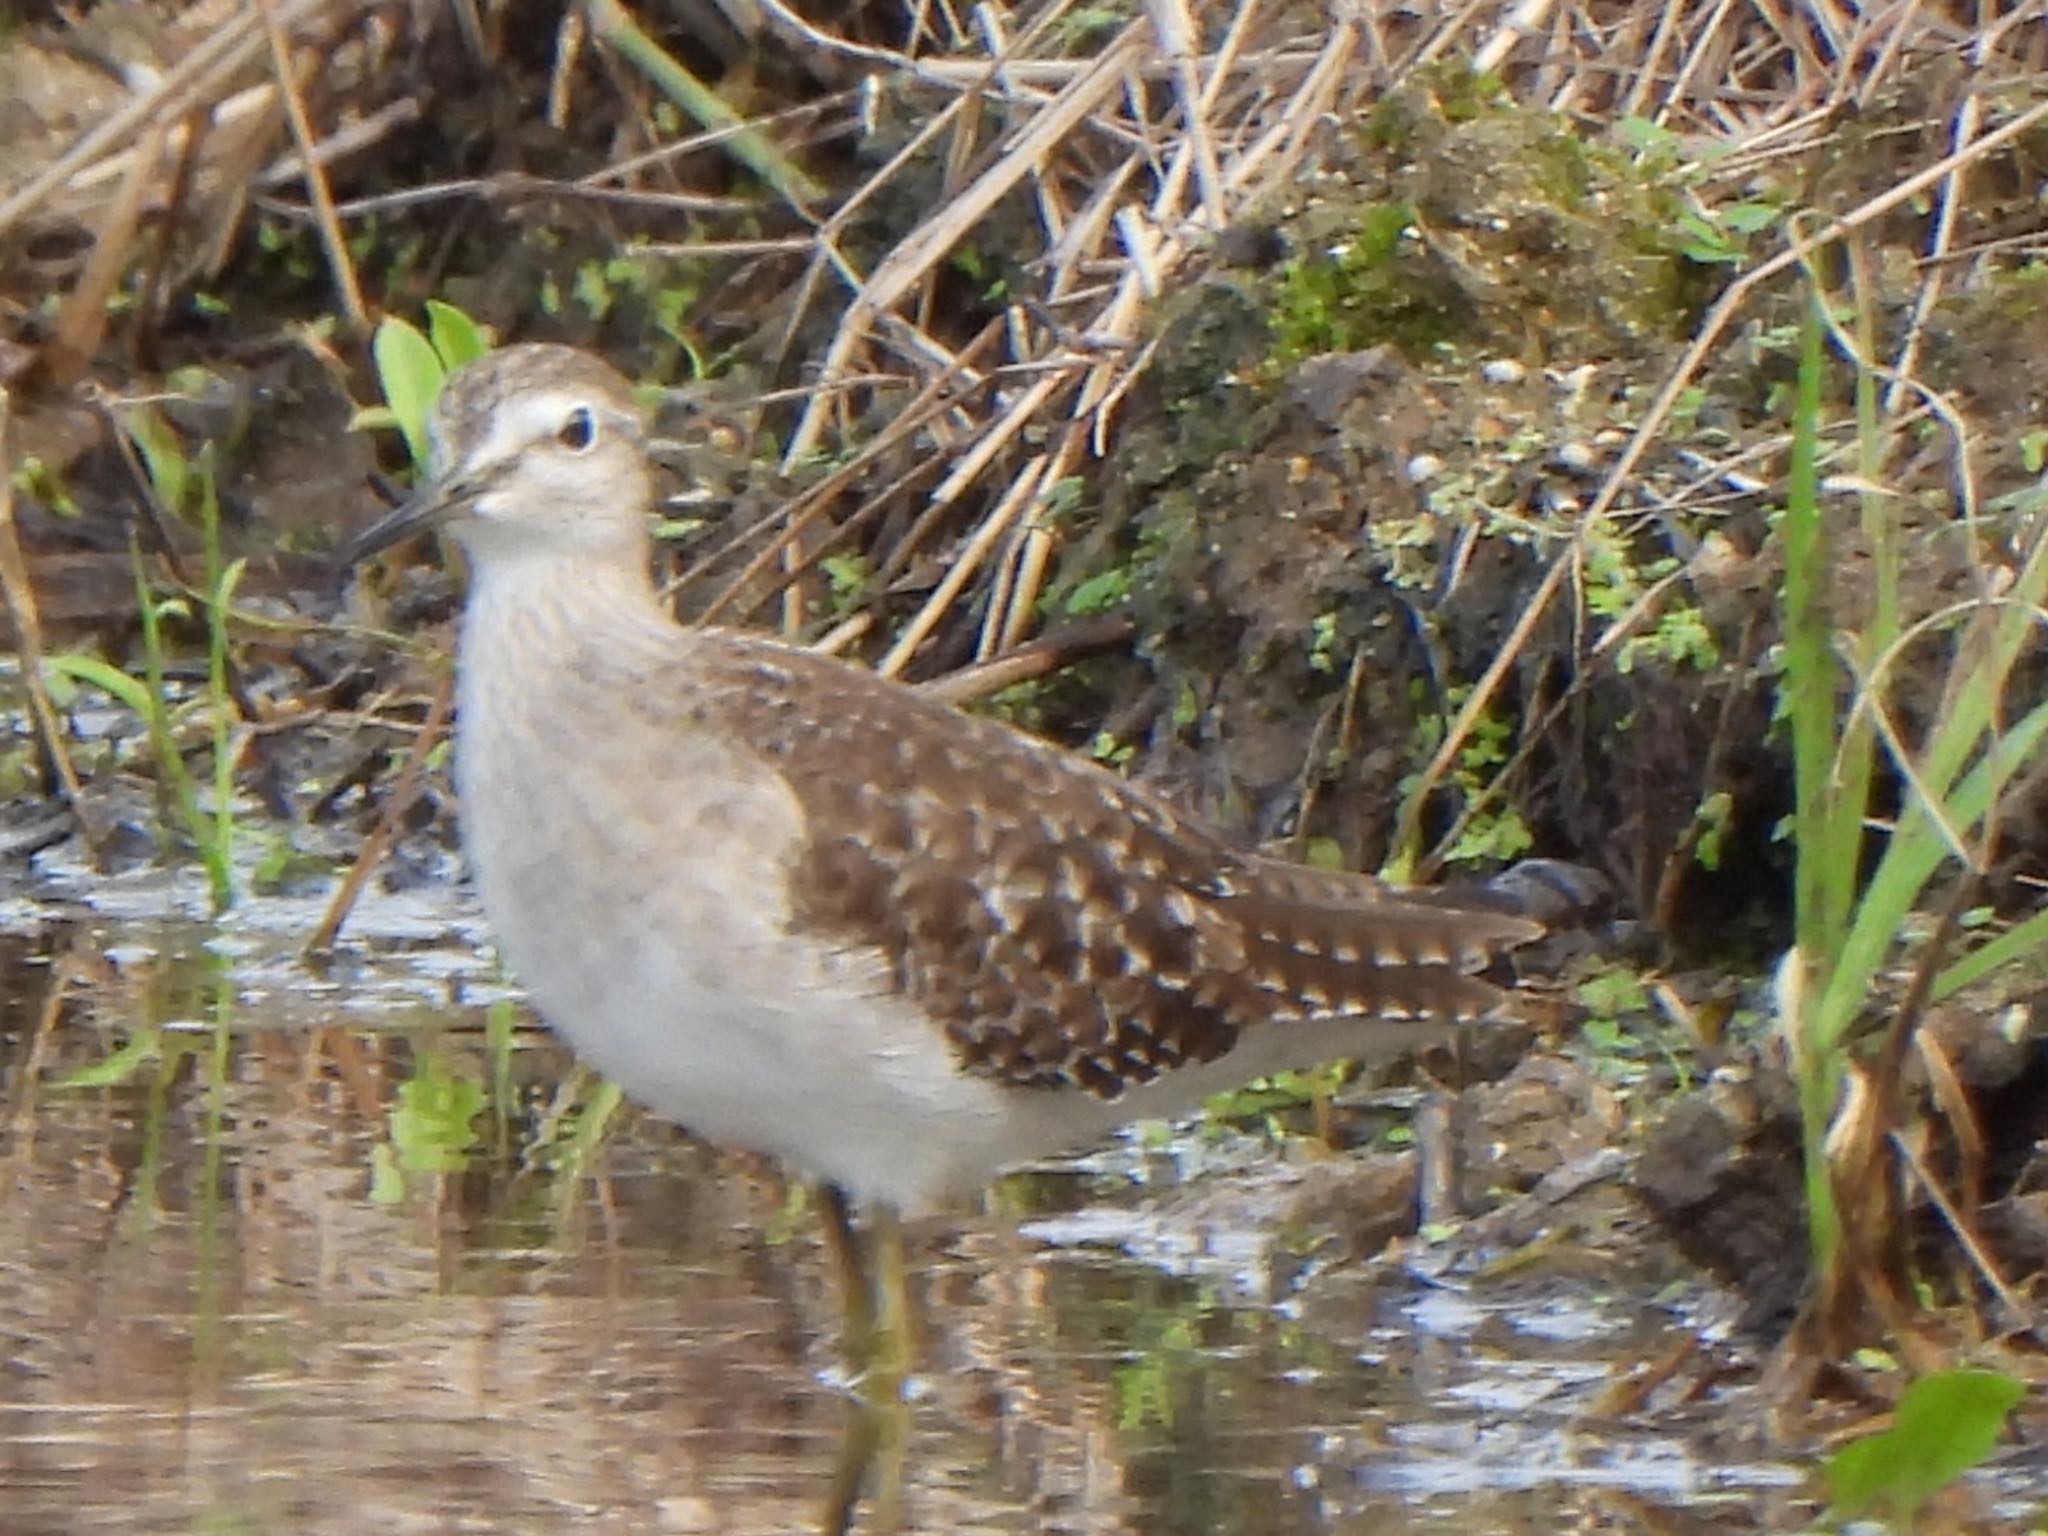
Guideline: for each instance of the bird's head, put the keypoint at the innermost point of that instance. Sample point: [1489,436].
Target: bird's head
[536,451]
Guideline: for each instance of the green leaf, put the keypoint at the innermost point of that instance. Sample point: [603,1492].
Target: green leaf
[387,1182]
[410,373]
[1715,815]
[847,574]
[457,338]
[430,1123]
[163,456]
[1611,994]
[1323,853]
[1747,218]
[1639,133]
[1100,593]
[593,290]
[1946,1424]
[2016,943]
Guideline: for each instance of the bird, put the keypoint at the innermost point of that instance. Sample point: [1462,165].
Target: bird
[802,909]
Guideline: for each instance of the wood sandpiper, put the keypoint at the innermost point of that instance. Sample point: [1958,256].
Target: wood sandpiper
[805,910]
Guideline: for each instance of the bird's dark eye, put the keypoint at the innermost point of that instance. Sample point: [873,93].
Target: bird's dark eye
[579,431]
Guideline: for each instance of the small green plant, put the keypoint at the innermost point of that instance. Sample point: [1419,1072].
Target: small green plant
[1621,1028]
[32,477]
[1655,146]
[654,282]
[848,577]
[1721,236]
[1102,592]
[1408,547]
[282,863]
[591,1105]
[1499,838]
[1110,752]
[1147,1387]
[411,366]
[1711,820]
[1717,235]
[1679,638]
[1083,28]
[1500,835]
[431,1129]
[292,247]
[1323,853]
[1846,926]
[184,487]
[1322,647]
[1267,1100]
[593,288]
[1363,292]
[1615,582]
[2034,450]
[1945,1424]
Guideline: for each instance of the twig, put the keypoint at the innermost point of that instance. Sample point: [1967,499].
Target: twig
[83,320]
[1047,654]
[225,50]
[1176,31]
[913,256]
[965,564]
[1980,1259]
[1948,207]
[339,262]
[568,49]
[381,837]
[936,397]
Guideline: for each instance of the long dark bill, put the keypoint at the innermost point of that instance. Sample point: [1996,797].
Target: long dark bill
[426,509]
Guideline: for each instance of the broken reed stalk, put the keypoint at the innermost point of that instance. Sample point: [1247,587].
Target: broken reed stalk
[20,596]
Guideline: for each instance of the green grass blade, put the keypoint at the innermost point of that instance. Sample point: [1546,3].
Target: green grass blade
[2016,943]
[216,849]
[1820,884]
[131,693]
[1916,850]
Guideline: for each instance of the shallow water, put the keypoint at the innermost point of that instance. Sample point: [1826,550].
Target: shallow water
[240,1296]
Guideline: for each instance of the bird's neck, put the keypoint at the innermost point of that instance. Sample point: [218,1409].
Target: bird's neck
[526,616]
[512,587]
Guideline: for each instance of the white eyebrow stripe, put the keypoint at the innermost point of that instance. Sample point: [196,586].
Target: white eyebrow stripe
[525,419]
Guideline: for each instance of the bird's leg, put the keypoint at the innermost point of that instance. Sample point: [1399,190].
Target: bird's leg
[842,1240]
[876,1290]
[870,1468]
[895,1343]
